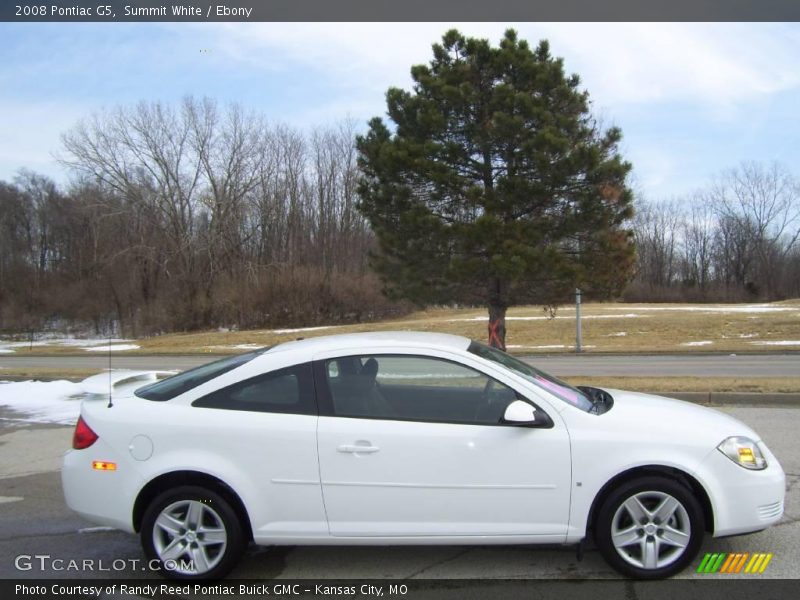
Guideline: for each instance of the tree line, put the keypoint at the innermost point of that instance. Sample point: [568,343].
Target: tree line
[187,217]
[197,216]
[736,240]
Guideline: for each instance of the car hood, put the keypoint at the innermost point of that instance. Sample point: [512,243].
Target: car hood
[673,417]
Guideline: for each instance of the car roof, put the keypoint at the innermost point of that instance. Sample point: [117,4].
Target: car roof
[364,341]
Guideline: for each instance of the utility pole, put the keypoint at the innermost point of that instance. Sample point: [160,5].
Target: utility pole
[578,333]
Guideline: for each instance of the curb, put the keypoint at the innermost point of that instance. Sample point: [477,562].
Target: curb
[788,400]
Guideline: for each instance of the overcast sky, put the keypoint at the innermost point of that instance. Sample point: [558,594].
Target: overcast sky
[691,99]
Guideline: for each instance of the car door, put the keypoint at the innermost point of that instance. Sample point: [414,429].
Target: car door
[262,433]
[412,445]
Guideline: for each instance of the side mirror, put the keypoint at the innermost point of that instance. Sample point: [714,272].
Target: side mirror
[522,414]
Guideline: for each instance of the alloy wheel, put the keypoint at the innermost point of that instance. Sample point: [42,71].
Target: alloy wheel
[189,536]
[651,530]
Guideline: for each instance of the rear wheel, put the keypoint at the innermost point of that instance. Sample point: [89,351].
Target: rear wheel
[650,528]
[193,533]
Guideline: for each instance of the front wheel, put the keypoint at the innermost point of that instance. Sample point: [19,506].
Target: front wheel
[193,533]
[650,528]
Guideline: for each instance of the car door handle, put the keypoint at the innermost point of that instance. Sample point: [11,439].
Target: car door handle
[358,448]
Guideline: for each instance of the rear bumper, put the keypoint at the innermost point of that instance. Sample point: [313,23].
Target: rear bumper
[101,497]
[744,501]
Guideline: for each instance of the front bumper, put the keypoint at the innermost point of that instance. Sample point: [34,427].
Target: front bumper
[744,501]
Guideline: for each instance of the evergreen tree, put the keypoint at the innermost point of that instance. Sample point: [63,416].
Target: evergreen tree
[495,186]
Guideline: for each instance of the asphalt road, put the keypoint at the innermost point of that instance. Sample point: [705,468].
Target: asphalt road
[698,365]
[35,521]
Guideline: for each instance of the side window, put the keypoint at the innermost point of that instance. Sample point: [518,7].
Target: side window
[415,388]
[289,391]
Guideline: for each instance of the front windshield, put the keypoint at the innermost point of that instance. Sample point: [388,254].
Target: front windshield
[555,386]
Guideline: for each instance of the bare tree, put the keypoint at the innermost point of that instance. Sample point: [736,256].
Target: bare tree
[697,232]
[764,201]
[655,227]
[198,215]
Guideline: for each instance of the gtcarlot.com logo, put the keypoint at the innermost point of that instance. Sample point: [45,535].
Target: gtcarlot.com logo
[45,562]
[735,563]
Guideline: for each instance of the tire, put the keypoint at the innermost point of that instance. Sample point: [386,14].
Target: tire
[192,523]
[665,536]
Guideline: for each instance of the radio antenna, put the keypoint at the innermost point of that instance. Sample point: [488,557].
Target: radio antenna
[110,386]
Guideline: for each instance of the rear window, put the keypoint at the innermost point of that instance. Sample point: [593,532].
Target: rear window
[176,385]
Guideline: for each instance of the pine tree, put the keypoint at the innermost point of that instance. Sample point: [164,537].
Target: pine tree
[495,186]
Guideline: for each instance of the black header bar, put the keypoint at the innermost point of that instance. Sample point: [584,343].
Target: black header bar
[731,588]
[398,10]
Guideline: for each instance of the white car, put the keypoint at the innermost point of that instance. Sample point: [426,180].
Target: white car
[410,438]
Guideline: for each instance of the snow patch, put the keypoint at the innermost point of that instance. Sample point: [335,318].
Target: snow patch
[700,343]
[748,308]
[545,347]
[84,343]
[236,347]
[112,348]
[544,318]
[618,334]
[776,343]
[23,344]
[43,401]
[7,345]
[302,329]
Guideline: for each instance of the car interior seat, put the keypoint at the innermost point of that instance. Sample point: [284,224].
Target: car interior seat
[377,403]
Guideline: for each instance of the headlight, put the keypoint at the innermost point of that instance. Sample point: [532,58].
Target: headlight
[744,452]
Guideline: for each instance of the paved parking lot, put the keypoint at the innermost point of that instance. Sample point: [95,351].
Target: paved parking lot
[34,521]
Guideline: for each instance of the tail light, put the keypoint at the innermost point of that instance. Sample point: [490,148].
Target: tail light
[83,436]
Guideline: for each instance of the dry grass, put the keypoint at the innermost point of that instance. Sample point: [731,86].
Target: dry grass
[45,373]
[658,328]
[692,384]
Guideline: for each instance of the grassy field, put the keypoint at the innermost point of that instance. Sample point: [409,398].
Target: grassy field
[607,327]
[44,374]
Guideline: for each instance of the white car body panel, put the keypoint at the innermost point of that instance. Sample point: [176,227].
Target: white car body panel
[444,479]
[668,433]
[235,449]
[429,482]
